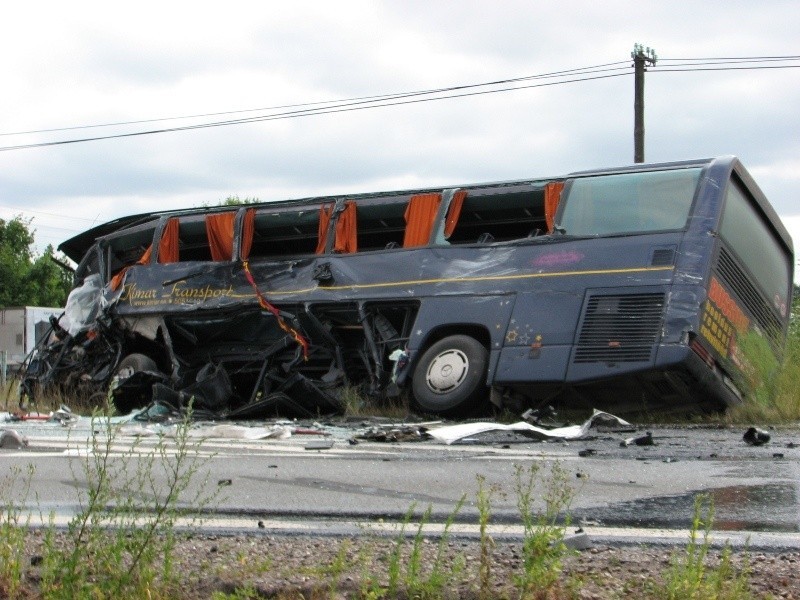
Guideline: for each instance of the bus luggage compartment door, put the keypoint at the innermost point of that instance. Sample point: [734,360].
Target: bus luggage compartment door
[618,333]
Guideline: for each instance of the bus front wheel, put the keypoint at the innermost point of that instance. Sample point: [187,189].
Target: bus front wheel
[450,378]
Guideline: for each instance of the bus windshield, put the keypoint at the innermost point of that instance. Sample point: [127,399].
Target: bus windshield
[629,203]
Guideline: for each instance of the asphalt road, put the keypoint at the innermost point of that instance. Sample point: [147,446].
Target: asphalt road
[315,481]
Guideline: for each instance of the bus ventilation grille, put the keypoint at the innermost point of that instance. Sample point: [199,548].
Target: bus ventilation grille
[662,257]
[620,328]
[734,277]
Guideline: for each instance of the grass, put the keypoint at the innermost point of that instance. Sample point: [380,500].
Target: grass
[543,548]
[692,576]
[51,400]
[121,540]
[13,534]
[771,386]
[355,403]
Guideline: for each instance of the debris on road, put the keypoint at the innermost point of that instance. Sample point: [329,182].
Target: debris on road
[10,439]
[454,433]
[241,432]
[319,445]
[756,437]
[535,415]
[394,433]
[644,440]
[64,416]
[217,431]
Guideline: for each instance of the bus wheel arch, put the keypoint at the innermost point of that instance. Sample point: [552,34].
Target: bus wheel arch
[449,377]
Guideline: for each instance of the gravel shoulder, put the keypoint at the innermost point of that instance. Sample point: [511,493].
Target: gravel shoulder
[317,567]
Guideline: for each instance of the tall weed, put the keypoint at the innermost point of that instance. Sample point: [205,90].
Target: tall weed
[692,577]
[770,386]
[543,546]
[13,529]
[484,504]
[121,541]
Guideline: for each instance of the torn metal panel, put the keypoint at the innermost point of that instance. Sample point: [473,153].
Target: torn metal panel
[453,433]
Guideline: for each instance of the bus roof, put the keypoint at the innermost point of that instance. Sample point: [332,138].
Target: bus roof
[77,246]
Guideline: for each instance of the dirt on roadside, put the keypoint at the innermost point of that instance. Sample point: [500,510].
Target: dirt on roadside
[263,566]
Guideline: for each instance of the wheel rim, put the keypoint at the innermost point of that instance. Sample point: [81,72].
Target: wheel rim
[447,371]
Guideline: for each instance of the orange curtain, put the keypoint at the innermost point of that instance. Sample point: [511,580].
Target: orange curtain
[346,230]
[322,233]
[220,235]
[248,230]
[552,194]
[116,280]
[454,212]
[168,246]
[420,214]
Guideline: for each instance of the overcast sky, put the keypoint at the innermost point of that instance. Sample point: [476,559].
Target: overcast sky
[70,64]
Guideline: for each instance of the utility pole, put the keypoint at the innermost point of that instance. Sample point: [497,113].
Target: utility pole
[641,57]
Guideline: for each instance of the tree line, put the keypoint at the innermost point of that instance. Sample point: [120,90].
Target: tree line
[28,278]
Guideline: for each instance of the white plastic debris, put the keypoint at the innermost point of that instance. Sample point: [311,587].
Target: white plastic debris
[241,432]
[453,433]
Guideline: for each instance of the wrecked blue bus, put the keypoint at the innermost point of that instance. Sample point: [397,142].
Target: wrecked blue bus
[625,289]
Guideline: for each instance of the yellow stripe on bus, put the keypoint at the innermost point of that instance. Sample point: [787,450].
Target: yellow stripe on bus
[361,286]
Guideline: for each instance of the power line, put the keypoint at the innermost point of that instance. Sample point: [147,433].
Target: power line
[578,70]
[736,58]
[762,67]
[576,75]
[346,107]
[41,212]
[374,98]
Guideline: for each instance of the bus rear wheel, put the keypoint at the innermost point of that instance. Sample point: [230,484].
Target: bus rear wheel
[450,378]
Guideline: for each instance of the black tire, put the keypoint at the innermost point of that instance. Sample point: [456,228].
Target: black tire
[133,363]
[450,377]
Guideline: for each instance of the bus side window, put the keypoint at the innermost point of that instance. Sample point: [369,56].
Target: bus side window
[193,242]
[90,265]
[128,248]
[500,216]
[284,233]
[381,224]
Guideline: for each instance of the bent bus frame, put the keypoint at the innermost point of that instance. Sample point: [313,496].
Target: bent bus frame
[619,288]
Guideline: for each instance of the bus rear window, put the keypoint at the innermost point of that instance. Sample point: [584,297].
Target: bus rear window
[629,202]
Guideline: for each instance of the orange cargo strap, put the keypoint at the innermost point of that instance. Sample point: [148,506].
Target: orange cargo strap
[262,301]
